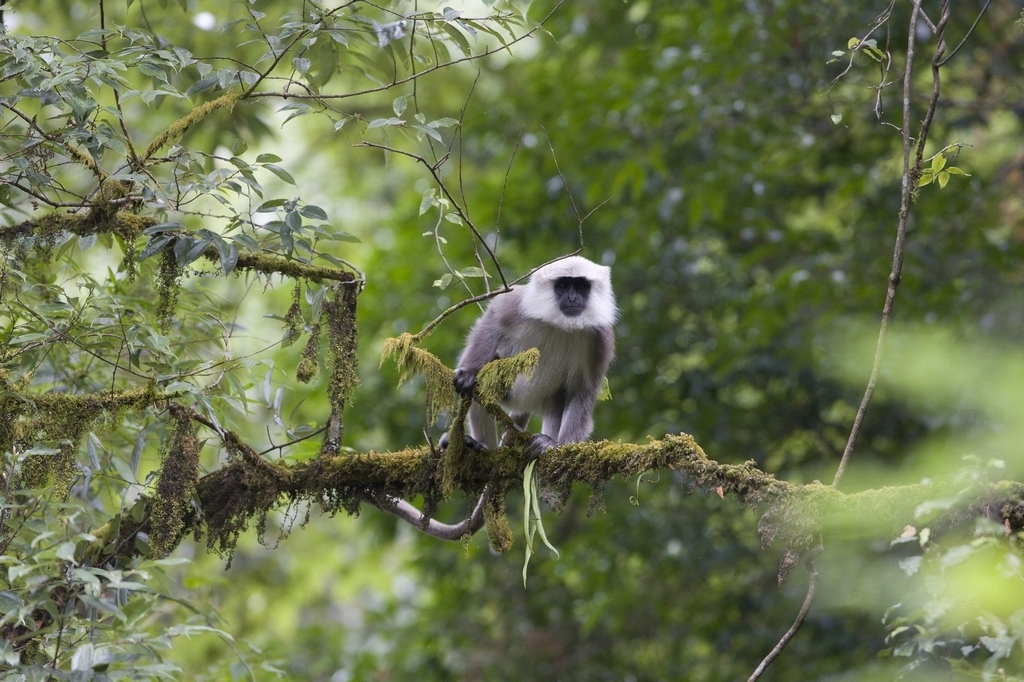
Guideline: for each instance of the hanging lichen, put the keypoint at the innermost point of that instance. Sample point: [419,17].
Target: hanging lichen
[493,383]
[438,379]
[340,309]
[497,377]
[168,281]
[236,495]
[309,364]
[175,485]
[499,533]
[293,318]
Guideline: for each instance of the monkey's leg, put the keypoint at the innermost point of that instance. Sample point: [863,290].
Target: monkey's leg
[483,432]
[470,442]
[552,423]
[577,420]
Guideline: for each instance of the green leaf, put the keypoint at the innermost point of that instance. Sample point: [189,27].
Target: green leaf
[9,601]
[293,221]
[528,530]
[400,104]
[202,85]
[66,551]
[536,513]
[140,443]
[428,200]
[457,36]
[196,251]
[228,256]
[81,661]
[340,236]
[163,227]
[280,172]
[154,246]
[382,122]
[472,272]
[445,122]
[943,178]
[269,158]
[270,205]
[313,212]
[938,163]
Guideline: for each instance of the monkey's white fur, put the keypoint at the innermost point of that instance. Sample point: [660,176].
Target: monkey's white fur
[538,303]
[575,351]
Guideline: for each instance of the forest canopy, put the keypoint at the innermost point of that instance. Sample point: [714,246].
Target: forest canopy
[241,245]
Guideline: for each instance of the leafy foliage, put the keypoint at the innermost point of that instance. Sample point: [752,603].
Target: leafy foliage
[167,165]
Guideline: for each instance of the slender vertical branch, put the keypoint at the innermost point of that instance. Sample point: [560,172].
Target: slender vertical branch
[504,187]
[911,173]
[909,179]
[794,628]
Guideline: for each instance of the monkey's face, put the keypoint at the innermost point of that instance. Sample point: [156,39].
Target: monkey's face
[572,294]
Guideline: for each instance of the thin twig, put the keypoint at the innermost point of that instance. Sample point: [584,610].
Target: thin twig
[879,22]
[434,172]
[504,186]
[554,157]
[462,187]
[967,35]
[794,628]
[461,304]
[282,446]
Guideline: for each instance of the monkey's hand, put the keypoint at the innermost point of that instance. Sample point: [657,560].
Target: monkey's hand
[539,444]
[470,442]
[465,381]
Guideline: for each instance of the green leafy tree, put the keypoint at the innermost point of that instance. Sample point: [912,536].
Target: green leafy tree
[748,192]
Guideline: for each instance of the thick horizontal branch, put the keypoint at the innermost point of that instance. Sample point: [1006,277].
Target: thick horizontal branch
[81,224]
[232,498]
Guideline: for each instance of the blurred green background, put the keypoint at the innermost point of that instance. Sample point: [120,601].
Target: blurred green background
[750,237]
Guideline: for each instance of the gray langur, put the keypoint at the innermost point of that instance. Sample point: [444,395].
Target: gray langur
[566,311]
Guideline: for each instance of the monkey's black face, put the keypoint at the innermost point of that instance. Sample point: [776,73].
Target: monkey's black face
[571,294]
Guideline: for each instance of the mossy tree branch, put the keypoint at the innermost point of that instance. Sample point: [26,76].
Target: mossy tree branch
[241,494]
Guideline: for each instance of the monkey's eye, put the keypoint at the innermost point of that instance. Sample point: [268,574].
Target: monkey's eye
[561,286]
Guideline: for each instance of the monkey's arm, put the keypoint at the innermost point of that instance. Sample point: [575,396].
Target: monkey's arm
[482,343]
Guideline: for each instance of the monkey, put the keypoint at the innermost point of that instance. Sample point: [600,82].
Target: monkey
[567,311]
